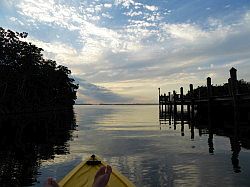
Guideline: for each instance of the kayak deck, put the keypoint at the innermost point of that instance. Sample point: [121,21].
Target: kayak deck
[83,175]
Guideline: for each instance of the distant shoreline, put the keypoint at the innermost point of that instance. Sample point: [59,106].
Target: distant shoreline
[117,104]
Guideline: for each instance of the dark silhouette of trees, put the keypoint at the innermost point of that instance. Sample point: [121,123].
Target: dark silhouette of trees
[29,80]
[221,90]
[243,87]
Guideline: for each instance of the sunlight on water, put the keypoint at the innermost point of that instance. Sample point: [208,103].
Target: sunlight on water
[132,140]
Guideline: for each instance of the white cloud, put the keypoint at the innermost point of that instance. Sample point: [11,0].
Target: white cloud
[247,17]
[105,15]
[143,50]
[125,3]
[214,22]
[51,13]
[184,31]
[13,19]
[106,5]
[94,38]
[153,17]
[151,8]
[132,13]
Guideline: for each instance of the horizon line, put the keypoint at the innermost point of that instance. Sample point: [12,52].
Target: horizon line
[116,104]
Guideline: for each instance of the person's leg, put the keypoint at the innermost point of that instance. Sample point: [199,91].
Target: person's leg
[51,183]
[102,176]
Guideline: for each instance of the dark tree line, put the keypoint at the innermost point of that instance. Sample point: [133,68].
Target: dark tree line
[27,79]
[222,90]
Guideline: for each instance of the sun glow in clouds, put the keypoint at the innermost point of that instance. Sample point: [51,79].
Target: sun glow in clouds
[123,50]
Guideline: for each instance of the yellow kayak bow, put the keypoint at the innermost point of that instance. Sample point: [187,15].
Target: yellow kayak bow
[83,175]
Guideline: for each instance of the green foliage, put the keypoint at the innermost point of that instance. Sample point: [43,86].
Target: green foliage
[27,79]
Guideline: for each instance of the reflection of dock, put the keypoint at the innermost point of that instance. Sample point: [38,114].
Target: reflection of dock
[164,116]
[220,121]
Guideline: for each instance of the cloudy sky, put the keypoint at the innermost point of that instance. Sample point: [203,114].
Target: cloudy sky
[123,50]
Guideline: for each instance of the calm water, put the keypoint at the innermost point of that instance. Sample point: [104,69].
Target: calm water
[132,140]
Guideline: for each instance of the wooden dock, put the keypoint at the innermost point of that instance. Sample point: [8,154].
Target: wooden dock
[168,103]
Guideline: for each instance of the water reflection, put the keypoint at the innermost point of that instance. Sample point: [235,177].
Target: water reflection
[236,147]
[131,139]
[26,140]
[151,153]
[210,142]
[218,122]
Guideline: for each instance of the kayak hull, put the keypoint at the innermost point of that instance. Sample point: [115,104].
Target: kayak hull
[83,175]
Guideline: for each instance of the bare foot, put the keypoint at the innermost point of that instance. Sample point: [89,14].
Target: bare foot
[102,176]
[51,183]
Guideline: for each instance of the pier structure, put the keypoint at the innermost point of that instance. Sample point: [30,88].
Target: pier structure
[168,103]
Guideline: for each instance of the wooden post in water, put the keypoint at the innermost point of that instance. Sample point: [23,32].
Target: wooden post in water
[174,119]
[191,116]
[165,106]
[209,95]
[159,89]
[162,103]
[192,130]
[199,93]
[210,142]
[174,102]
[234,83]
[188,110]
[209,104]
[188,107]
[209,87]
[182,128]
[182,109]
[170,105]
[229,86]
[234,92]
[192,100]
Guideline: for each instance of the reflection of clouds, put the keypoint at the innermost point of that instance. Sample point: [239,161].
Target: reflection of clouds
[186,174]
[128,166]
[92,116]
[150,157]
[144,162]
[143,171]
